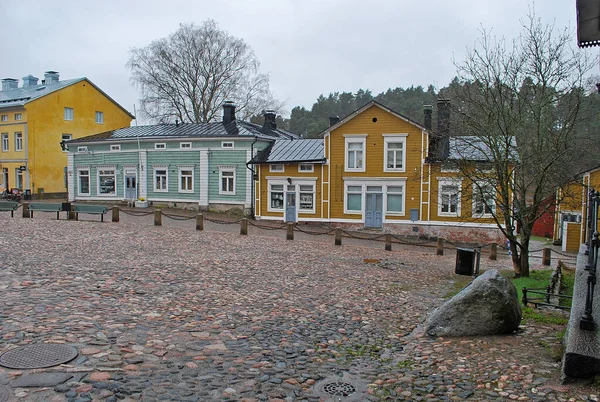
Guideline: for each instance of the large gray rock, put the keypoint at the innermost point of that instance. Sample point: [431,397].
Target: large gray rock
[488,305]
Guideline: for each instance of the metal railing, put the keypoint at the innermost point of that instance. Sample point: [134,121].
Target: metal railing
[546,297]
[587,320]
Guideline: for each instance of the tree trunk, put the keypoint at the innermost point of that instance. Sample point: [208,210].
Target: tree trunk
[525,237]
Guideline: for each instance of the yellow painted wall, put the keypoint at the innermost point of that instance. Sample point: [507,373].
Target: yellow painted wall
[46,125]
[573,236]
[12,159]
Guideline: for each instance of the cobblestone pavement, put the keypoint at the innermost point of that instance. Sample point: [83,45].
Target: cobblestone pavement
[173,314]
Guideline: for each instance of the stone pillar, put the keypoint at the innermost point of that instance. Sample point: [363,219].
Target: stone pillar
[115,214]
[338,237]
[439,247]
[199,222]
[494,252]
[26,210]
[244,226]
[290,231]
[157,218]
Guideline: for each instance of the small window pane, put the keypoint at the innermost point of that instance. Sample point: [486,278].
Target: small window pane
[354,202]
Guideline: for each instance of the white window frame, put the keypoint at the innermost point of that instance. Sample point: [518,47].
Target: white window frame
[114,175]
[306,167]
[227,144]
[450,182]
[362,198]
[166,179]
[18,116]
[4,117]
[160,145]
[272,167]
[79,176]
[386,193]
[476,193]
[82,149]
[180,176]
[227,169]
[185,145]
[18,141]
[301,192]
[69,114]
[115,147]
[99,117]
[5,142]
[355,139]
[270,185]
[394,138]
[69,137]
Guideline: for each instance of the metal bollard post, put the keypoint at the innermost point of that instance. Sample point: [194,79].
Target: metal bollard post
[115,214]
[439,247]
[290,231]
[26,213]
[199,222]
[388,242]
[338,237]
[494,252]
[244,226]
[157,218]
[546,256]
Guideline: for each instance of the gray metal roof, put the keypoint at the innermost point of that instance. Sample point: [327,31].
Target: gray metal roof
[287,151]
[189,130]
[475,149]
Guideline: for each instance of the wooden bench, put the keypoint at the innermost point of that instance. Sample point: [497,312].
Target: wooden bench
[90,209]
[46,207]
[9,206]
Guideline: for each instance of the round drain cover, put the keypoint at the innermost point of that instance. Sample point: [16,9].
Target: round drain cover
[4,394]
[40,355]
[339,388]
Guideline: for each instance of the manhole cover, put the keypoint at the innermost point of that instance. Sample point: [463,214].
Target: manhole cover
[339,388]
[4,394]
[40,355]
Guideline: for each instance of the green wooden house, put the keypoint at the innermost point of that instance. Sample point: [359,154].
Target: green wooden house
[199,165]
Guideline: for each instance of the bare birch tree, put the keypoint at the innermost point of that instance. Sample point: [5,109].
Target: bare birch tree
[189,74]
[522,105]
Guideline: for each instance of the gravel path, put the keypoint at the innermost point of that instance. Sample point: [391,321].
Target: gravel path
[169,313]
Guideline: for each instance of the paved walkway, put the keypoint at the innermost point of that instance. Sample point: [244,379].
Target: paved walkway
[169,313]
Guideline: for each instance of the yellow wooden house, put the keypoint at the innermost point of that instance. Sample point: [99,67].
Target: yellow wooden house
[372,169]
[37,117]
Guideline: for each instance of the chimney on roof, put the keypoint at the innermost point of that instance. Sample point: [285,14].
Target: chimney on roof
[333,120]
[30,81]
[50,77]
[443,129]
[427,111]
[270,122]
[228,112]
[9,83]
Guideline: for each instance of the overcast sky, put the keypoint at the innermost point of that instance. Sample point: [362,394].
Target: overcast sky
[307,47]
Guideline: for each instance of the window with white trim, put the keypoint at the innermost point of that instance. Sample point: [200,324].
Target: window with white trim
[353,199]
[306,167]
[185,145]
[278,167]
[449,198]
[307,198]
[18,116]
[161,180]
[395,199]
[18,141]
[83,181]
[355,154]
[69,113]
[186,180]
[4,117]
[227,144]
[107,182]
[68,137]
[100,117]
[115,147]
[276,196]
[394,154]
[484,204]
[160,145]
[227,180]
[82,149]
[5,143]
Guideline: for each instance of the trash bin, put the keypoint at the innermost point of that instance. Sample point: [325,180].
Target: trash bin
[27,195]
[467,261]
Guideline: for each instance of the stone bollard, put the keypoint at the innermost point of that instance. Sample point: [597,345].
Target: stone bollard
[493,252]
[115,214]
[26,210]
[244,226]
[546,256]
[338,237]
[388,242]
[439,247]
[199,222]
[157,218]
[290,231]
[72,215]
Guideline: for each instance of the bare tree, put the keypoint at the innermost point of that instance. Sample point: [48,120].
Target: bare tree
[188,75]
[520,105]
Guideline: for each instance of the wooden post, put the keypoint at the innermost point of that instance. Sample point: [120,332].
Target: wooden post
[199,222]
[157,218]
[494,252]
[290,231]
[546,256]
[26,213]
[338,237]
[388,242]
[72,215]
[439,247]
[244,226]
[115,214]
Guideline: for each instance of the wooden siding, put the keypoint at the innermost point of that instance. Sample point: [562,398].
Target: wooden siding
[172,160]
[237,158]
[92,161]
[573,237]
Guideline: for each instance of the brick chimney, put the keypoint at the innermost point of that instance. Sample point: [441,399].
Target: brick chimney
[443,129]
[228,112]
[333,120]
[270,122]
[30,81]
[50,77]
[427,111]
[9,83]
